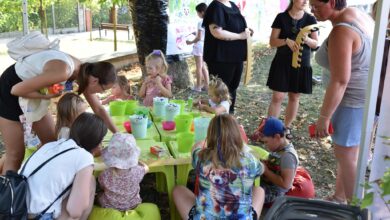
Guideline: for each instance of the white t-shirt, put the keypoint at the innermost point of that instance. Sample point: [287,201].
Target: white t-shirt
[32,65]
[224,104]
[48,182]
[64,133]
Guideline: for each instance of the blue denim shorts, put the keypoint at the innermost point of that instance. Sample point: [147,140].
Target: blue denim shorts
[347,123]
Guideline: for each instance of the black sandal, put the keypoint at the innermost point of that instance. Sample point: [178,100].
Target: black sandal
[288,133]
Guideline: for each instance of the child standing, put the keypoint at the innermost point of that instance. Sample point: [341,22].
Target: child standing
[120,181]
[157,83]
[201,69]
[69,107]
[226,171]
[219,98]
[120,90]
[282,162]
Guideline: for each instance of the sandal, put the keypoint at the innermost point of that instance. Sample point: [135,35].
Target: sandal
[335,199]
[288,133]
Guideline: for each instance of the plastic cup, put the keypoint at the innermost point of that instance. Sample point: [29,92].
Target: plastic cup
[183,123]
[171,110]
[180,102]
[159,104]
[141,111]
[117,108]
[131,105]
[201,125]
[139,124]
[185,140]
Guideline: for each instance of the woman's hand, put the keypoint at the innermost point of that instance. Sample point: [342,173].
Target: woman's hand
[292,45]
[322,127]
[245,34]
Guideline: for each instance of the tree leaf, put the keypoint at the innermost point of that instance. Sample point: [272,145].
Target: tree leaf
[367,200]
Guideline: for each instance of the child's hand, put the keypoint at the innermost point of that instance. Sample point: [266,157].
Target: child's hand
[157,80]
[188,42]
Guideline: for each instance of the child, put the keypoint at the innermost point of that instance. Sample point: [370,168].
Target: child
[219,98]
[69,107]
[121,90]
[157,83]
[120,181]
[282,162]
[201,69]
[226,171]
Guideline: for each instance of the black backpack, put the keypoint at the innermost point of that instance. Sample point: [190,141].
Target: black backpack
[13,192]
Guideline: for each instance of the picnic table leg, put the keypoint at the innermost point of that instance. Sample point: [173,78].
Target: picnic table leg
[182,174]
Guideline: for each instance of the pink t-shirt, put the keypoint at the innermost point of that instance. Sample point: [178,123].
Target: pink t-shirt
[121,188]
[152,91]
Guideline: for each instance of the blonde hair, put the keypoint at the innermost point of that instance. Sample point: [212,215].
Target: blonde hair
[124,84]
[219,89]
[225,132]
[68,108]
[158,54]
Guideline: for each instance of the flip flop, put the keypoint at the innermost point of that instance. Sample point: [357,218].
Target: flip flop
[335,199]
[288,133]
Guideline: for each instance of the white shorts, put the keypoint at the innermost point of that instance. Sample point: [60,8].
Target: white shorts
[198,49]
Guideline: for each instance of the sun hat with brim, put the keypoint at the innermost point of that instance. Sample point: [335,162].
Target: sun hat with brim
[273,126]
[122,152]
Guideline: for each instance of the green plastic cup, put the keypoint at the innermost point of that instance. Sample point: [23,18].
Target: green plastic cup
[180,102]
[142,111]
[117,108]
[183,123]
[131,106]
[185,140]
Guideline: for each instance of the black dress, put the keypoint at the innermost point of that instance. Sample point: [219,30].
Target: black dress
[282,76]
[225,58]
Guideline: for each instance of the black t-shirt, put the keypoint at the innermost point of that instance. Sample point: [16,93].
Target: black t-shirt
[287,26]
[229,19]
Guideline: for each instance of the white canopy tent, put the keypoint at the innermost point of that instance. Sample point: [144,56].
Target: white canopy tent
[379,164]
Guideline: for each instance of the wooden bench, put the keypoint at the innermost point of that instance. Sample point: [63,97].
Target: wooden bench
[110,26]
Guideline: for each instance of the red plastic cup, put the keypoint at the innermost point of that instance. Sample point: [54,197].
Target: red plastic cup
[312,130]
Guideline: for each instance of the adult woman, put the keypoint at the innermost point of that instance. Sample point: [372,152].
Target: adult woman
[25,79]
[75,166]
[225,43]
[283,78]
[346,55]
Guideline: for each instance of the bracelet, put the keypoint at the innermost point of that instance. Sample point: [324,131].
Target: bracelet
[323,116]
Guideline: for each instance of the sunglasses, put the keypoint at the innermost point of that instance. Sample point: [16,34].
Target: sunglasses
[294,28]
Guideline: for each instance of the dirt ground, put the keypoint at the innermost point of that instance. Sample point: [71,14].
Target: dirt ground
[252,103]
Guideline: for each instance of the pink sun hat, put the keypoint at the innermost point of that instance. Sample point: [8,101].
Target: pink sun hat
[122,152]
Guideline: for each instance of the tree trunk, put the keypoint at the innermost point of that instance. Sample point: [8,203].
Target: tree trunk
[42,16]
[150,25]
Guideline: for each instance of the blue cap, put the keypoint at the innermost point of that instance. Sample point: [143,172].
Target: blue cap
[273,126]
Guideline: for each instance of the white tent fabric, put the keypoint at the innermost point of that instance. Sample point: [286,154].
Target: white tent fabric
[379,165]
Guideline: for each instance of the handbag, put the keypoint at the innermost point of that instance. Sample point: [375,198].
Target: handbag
[13,192]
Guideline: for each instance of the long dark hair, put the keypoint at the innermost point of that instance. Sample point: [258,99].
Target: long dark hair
[289,6]
[339,4]
[88,131]
[104,71]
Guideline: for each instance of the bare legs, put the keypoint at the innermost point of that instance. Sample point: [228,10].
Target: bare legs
[292,106]
[13,137]
[185,199]
[346,158]
[201,73]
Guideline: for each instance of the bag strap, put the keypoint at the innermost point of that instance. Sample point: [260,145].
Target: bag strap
[58,197]
[44,163]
